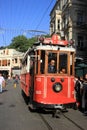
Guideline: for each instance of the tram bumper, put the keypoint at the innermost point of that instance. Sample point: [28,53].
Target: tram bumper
[56,106]
[64,106]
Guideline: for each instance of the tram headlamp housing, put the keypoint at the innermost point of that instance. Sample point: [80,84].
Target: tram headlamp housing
[52,79]
[57,87]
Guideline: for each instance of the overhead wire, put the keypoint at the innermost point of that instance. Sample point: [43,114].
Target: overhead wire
[44,14]
[26,16]
[23,17]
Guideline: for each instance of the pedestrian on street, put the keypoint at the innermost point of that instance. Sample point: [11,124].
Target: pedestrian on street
[2,82]
[16,81]
[78,89]
[84,96]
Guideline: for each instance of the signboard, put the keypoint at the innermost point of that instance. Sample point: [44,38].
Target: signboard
[55,40]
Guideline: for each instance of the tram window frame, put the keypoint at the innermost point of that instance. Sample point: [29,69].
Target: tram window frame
[32,60]
[37,61]
[42,62]
[72,64]
[53,57]
[63,65]
[57,61]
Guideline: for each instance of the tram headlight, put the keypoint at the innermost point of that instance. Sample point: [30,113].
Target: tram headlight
[57,87]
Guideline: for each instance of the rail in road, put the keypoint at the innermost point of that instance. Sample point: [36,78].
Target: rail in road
[15,115]
[65,121]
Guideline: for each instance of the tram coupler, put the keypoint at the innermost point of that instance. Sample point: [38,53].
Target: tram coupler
[56,113]
[31,107]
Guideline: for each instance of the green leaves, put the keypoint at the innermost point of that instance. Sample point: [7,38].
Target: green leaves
[21,43]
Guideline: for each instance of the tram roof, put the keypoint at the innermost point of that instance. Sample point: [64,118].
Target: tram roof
[53,47]
[50,47]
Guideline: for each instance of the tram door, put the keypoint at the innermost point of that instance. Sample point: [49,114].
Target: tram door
[32,66]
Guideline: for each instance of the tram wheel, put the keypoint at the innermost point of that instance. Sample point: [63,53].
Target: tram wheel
[75,106]
[31,108]
[56,113]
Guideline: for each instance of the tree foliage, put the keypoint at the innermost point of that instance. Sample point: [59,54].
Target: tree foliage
[21,43]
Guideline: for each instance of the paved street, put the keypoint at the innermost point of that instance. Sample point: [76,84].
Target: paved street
[14,115]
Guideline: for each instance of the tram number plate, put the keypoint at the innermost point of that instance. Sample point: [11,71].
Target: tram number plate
[58,106]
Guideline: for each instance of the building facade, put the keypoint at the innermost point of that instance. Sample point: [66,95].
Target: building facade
[10,62]
[69,19]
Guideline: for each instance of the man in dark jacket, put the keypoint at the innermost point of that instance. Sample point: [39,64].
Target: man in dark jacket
[84,96]
[51,67]
[78,89]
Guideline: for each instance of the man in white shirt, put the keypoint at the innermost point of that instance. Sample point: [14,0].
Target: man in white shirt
[2,81]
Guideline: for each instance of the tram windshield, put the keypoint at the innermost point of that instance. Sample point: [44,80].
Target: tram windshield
[55,62]
[60,63]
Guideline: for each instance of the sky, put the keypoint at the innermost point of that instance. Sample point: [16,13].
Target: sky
[18,17]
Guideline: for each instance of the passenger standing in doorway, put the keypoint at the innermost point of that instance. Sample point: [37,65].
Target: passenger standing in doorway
[2,82]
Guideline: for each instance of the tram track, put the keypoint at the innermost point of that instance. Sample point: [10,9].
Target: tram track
[73,122]
[45,122]
[49,127]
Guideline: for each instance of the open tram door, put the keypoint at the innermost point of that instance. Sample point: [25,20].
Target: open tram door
[32,67]
[37,68]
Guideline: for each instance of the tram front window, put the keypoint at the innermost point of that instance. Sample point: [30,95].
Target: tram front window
[42,62]
[63,63]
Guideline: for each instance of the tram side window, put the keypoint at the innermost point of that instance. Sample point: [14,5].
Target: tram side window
[71,64]
[32,60]
[52,62]
[63,63]
[42,62]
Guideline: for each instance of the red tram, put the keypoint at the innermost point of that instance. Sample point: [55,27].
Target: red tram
[49,90]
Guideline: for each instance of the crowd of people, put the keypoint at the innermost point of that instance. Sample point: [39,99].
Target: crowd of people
[81,93]
[4,81]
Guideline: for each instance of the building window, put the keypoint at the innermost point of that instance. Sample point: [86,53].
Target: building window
[4,62]
[15,60]
[64,2]
[59,6]
[8,62]
[0,62]
[51,28]
[80,42]
[64,23]
[80,18]
[58,24]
